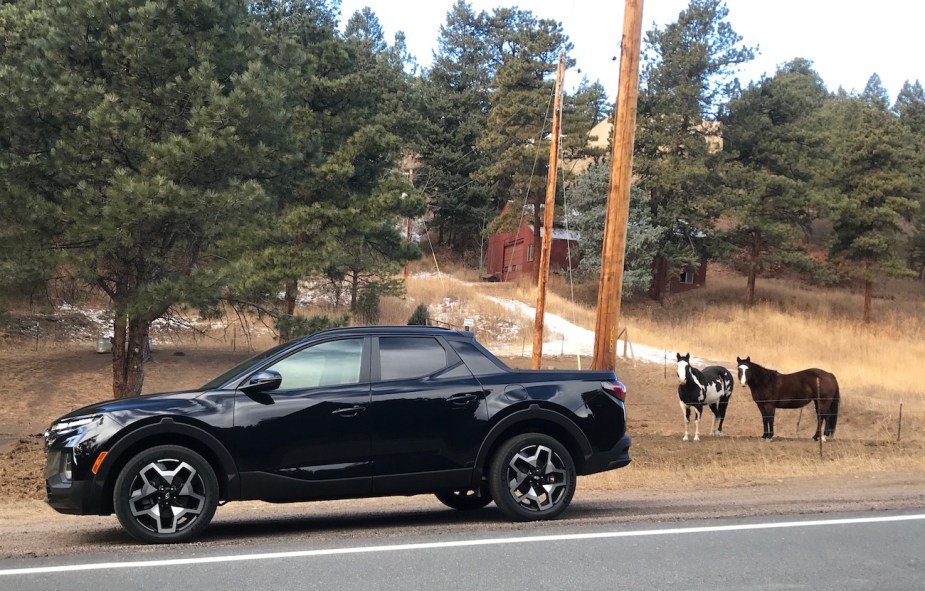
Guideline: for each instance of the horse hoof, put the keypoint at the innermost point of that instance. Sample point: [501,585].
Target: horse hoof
[696,438]
[686,438]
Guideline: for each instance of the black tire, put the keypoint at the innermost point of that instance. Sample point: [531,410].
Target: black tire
[464,500]
[166,477]
[532,477]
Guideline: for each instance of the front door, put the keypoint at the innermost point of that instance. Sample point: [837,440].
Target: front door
[309,438]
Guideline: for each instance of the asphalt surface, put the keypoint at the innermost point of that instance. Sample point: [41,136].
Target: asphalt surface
[865,550]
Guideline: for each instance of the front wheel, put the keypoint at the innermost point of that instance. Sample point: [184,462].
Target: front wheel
[166,494]
[532,477]
[464,500]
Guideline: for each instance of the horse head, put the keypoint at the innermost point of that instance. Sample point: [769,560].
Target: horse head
[684,362]
[745,367]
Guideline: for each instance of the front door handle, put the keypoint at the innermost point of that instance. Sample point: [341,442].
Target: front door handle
[462,399]
[350,411]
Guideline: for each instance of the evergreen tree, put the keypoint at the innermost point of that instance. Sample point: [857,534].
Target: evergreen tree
[774,147]
[685,80]
[872,178]
[910,106]
[455,109]
[588,198]
[132,136]
[526,57]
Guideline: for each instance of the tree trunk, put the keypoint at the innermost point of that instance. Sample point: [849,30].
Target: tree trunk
[136,355]
[659,280]
[129,351]
[868,290]
[292,292]
[119,325]
[354,291]
[753,270]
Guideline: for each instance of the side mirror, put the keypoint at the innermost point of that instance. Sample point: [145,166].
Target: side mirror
[262,381]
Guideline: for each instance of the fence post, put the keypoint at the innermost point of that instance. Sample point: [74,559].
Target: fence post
[899,429]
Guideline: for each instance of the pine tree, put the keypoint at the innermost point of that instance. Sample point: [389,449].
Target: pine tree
[874,185]
[686,78]
[774,147]
[455,99]
[134,135]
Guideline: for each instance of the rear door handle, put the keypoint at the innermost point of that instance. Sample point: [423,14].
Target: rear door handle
[350,411]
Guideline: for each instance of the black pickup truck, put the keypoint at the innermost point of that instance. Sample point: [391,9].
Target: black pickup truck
[344,413]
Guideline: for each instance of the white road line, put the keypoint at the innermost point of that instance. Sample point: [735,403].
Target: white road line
[458,544]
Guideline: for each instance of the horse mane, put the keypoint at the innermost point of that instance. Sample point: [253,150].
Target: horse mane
[760,374]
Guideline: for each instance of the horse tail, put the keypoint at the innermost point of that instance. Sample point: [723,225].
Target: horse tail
[833,408]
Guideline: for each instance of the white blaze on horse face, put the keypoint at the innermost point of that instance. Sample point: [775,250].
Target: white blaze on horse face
[682,371]
[742,375]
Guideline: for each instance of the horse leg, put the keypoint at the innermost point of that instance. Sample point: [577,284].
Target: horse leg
[713,430]
[698,410]
[687,418]
[767,415]
[720,413]
[819,419]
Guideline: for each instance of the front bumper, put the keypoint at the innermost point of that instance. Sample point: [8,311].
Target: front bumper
[616,457]
[77,496]
[73,497]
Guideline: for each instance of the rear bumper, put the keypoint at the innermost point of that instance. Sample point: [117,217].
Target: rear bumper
[616,457]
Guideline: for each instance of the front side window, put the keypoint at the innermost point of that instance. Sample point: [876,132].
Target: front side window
[403,358]
[334,363]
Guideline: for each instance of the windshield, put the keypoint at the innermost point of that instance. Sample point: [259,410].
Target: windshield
[218,381]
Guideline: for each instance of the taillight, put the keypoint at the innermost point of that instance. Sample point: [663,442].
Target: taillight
[615,389]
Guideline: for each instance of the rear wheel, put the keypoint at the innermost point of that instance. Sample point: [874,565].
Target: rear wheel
[166,494]
[464,500]
[532,477]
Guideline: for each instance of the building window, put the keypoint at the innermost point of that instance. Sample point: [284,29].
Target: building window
[529,252]
[687,276]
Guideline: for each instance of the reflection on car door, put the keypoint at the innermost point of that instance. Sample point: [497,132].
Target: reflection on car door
[428,416]
[308,439]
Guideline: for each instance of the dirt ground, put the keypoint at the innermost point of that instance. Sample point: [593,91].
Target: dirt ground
[865,467]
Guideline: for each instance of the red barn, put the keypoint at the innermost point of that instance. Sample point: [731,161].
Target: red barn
[513,255]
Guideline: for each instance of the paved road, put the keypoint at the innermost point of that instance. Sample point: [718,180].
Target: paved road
[869,550]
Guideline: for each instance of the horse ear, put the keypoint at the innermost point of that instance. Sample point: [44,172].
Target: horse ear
[738,360]
[679,356]
[748,359]
[687,357]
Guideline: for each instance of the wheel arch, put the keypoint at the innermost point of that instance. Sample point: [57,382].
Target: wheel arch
[535,420]
[168,432]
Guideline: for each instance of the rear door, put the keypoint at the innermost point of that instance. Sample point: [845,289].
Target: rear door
[428,413]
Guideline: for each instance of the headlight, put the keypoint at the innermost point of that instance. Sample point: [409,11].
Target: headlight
[73,423]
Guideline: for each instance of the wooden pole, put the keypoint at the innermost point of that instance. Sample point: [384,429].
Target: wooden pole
[543,276]
[621,168]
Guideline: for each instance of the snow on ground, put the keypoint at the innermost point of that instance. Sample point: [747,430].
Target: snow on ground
[560,337]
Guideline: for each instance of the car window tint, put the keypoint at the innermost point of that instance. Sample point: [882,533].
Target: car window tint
[403,358]
[333,363]
[479,362]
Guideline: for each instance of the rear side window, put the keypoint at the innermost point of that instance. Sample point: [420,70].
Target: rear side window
[479,363]
[403,358]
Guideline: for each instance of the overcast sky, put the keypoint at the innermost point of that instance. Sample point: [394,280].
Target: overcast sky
[847,40]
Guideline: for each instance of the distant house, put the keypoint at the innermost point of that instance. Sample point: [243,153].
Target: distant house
[512,255]
[690,277]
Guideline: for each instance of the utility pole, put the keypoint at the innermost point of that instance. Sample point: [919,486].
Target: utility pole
[618,198]
[543,276]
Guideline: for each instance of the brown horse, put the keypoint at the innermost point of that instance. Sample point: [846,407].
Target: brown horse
[772,390]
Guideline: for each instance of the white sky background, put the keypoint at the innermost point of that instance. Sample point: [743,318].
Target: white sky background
[847,40]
